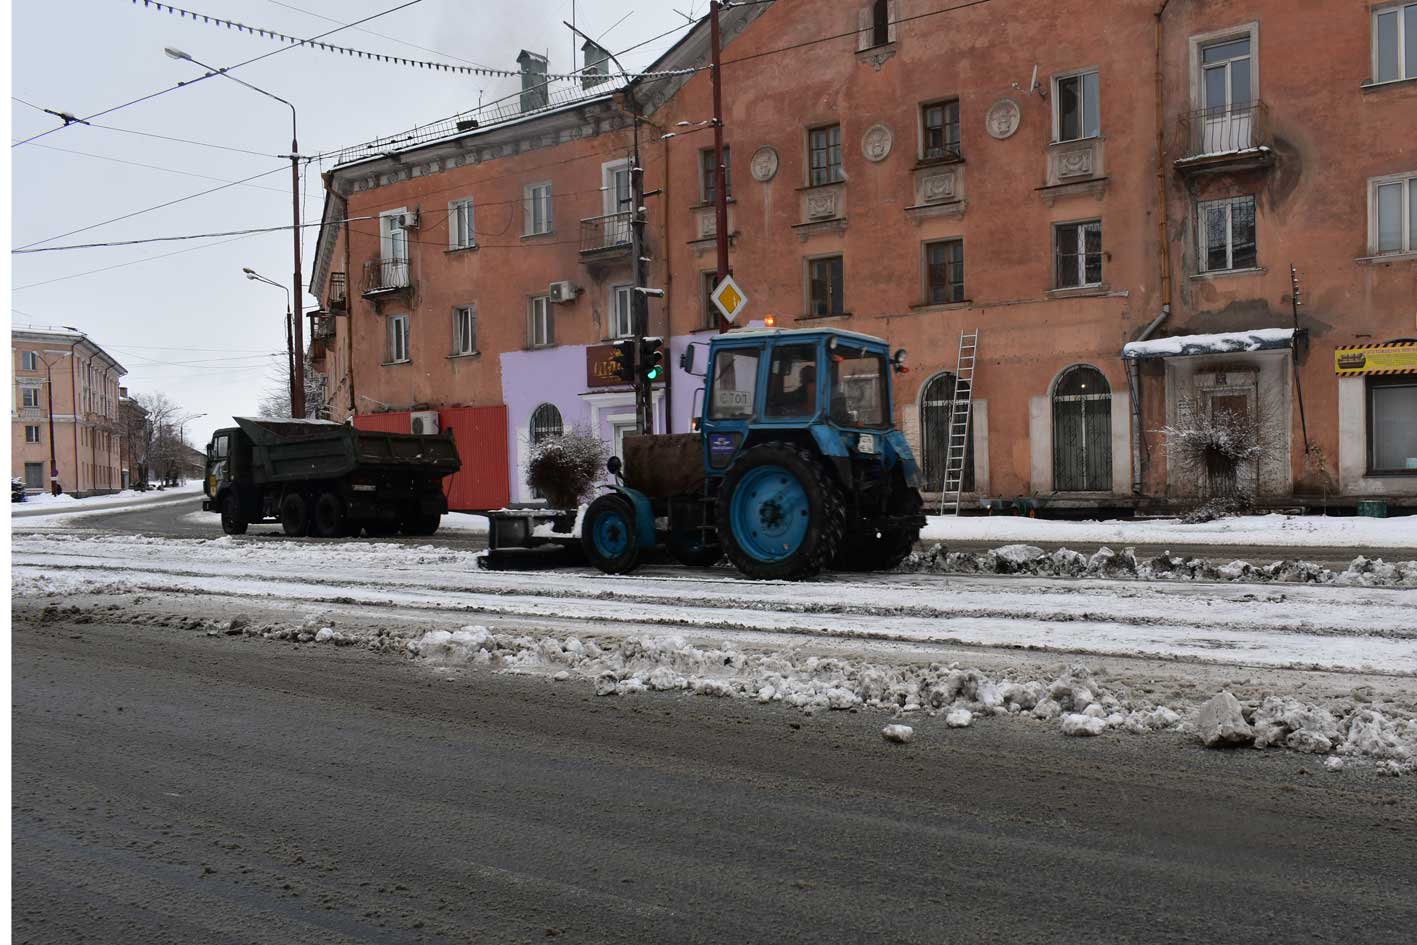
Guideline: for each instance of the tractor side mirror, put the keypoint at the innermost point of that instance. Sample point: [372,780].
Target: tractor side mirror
[614,465]
[898,361]
[687,359]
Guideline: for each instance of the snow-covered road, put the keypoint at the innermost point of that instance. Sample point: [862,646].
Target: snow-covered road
[1331,627]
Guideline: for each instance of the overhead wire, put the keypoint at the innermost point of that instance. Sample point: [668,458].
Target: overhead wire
[180,85]
[122,265]
[155,167]
[392,39]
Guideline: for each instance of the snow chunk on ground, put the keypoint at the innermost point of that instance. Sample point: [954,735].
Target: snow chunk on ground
[959,718]
[324,635]
[1076,724]
[900,734]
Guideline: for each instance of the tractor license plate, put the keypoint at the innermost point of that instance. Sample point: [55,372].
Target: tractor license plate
[867,443]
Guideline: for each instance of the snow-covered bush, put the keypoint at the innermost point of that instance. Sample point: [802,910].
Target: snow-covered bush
[1214,449]
[563,468]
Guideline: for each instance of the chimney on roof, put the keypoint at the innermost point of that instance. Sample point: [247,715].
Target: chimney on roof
[534,91]
[597,64]
[122,393]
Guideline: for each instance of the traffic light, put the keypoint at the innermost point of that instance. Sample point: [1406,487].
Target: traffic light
[651,362]
[624,360]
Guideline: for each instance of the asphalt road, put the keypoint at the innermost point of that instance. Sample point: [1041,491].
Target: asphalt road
[170,787]
[167,520]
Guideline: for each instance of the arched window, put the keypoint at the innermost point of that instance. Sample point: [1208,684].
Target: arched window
[1082,431]
[545,422]
[936,406]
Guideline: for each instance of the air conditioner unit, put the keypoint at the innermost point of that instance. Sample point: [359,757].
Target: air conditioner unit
[562,292]
[423,422]
[409,221]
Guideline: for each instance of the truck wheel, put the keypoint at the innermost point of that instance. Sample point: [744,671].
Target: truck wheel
[694,549]
[330,516]
[779,515]
[608,534]
[421,524]
[232,521]
[882,549]
[295,515]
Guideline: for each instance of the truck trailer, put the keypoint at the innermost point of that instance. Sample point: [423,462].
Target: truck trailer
[318,477]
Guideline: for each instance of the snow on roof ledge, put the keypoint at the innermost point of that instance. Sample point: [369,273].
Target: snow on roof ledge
[1227,342]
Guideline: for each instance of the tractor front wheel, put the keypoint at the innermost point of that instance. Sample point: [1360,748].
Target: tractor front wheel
[779,514]
[608,534]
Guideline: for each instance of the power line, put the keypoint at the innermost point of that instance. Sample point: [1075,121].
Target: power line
[392,39]
[154,167]
[131,262]
[169,348]
[179,85]
[836,36]
[200,144]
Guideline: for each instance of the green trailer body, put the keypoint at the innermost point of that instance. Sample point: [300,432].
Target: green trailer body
[327,479]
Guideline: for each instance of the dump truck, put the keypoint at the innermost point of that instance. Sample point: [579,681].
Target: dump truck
[794,464]
[317,477]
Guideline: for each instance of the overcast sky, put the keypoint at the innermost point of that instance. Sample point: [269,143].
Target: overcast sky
[190,324]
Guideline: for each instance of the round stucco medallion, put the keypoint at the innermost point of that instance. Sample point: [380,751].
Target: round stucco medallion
[876,142]
[764,166]
[1003,118]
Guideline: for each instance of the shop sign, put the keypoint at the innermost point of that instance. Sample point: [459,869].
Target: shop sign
[600,367]
[1397,357]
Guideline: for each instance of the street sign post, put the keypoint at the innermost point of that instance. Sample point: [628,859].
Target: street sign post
[729,298]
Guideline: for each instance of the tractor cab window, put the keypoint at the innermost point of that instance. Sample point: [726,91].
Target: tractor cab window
[858,387]
[735,380]
[792,382]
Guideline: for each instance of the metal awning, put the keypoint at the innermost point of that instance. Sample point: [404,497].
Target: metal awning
[1227,342]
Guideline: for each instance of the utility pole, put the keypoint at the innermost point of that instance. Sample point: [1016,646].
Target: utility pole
[297,400]
[53,459]
[720,176]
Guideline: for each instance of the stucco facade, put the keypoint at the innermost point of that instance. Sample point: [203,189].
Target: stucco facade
[82,380]
[1041,178]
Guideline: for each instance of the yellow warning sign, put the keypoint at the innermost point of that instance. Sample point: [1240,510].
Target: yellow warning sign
[729,298]
[1398,357]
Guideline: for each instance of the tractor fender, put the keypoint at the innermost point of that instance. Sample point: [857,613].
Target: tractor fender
[897,444]
[829,441]
[644,513]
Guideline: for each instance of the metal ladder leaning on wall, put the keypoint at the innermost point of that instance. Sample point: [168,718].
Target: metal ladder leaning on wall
[957,442]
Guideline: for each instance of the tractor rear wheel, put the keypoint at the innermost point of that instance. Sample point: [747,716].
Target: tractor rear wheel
[295,515]
[608,534]
[872,549]
[779,514]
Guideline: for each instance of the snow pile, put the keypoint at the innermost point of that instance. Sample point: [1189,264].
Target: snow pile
[1218,343]
[900,734]
[1124,564]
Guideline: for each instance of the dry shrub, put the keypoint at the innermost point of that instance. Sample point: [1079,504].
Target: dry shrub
[1213,449]
[564,468]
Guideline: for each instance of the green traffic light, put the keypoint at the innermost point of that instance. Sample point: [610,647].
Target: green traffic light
[654,372]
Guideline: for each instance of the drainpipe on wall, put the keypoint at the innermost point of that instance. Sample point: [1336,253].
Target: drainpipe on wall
[668,293]
[1164,255]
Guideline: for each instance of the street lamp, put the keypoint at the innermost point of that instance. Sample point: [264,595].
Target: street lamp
[255,276]
[297,387]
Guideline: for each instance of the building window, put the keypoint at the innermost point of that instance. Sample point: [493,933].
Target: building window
[1082,431]
[31,434]
[937,408]
[545,423]
[1392,425]
[939,124]
[708,176]
[1077,249]
[882,32]
[622,323]
[29,361]
[29,396]
[944,272]
[465,329]
[1227,234]
[536,199]
[824,150]
[539,333]
[34,475]
[1395,43]
[708,281]
[398,339]
[461,234]
[1076,107]
[1392,210]
[824,287]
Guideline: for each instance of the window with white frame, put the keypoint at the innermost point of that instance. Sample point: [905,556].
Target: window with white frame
[538,331]
[465,329]
[1077,253]
[536,199]
[1077,107]
[398,339]
[1395,43]
[622,322]
[29,396]
[461,233]
[1225,231]
[31,434]
[1392,214]
[1392,425]
[29,361]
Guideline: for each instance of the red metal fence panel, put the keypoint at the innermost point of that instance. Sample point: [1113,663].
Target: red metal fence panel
[481,436]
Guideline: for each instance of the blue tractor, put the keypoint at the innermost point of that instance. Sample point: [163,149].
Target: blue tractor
[794,465]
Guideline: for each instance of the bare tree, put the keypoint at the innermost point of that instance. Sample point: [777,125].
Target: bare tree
[1218,449]
[274,399]
[160,433]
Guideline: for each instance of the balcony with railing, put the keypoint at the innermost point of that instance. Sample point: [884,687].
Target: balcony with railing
[607,235]
[1226,138]
[337,299]
[386,277]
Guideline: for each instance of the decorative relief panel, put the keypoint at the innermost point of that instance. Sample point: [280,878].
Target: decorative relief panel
[876,143]
[821,205]
[764,165]
[1075,162]
[1003,118]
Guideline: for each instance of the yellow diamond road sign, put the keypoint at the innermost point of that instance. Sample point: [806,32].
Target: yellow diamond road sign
[729,298]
